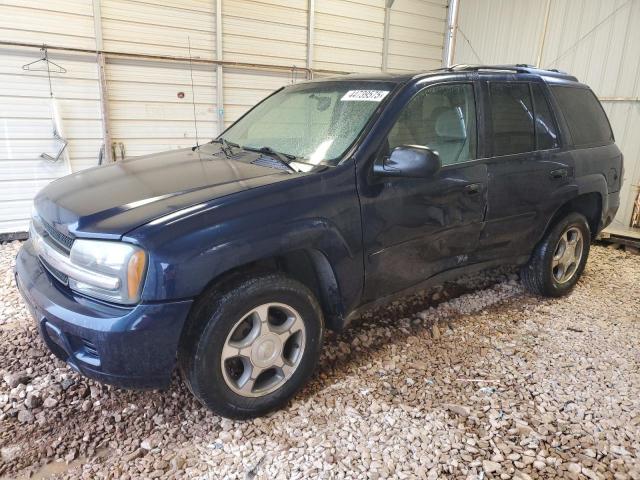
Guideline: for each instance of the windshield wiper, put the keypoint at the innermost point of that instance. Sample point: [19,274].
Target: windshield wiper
[225,146]
[281,155]
[284,158]
[289,158]
[225,142]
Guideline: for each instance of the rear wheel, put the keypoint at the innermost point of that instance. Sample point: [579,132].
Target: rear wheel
[251,347]
[559,259]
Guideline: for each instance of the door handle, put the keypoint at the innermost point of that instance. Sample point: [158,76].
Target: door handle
[472,189]
[558,174]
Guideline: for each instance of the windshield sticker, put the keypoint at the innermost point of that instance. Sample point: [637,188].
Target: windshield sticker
[364,95]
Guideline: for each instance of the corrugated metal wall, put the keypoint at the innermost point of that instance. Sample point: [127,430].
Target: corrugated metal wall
[149,101]
[349,35]
[146,113]
[25,120]
[61,22]
[598,41]
[159,27]
[266,32]
[416,34]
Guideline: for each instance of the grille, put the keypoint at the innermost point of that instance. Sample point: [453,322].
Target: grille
[57,274]
[89,347]
[63,241]
[270,162]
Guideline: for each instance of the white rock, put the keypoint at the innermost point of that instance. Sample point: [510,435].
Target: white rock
[574,467]
[539,465]
[459,409]
[490,467]
[10,453]
[25,416]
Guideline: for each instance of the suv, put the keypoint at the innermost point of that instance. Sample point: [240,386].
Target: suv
[230,259]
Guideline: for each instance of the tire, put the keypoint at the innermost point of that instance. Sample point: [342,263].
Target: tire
[223,323]
[544,274]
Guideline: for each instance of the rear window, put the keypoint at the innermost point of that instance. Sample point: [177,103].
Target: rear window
[585,117]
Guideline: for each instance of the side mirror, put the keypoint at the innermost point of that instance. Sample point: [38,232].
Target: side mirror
[409,161]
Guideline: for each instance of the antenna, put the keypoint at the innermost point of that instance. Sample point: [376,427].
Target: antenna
[193,95]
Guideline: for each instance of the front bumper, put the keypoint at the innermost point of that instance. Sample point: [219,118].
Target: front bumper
[130,347]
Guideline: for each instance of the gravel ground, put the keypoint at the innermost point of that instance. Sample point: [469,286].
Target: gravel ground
[493,383]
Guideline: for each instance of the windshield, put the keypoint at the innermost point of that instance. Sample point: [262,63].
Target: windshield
[315,122]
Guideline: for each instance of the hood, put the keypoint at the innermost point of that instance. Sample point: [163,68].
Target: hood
[111,200]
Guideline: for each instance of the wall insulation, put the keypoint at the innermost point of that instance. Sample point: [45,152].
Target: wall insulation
[149,100]
[597,41]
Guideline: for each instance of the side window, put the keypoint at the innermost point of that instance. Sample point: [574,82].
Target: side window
[546,130]
[585,116]
[442,118]
[511,118]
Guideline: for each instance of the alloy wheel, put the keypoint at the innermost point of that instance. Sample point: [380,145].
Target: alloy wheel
[263,349]
[567,255]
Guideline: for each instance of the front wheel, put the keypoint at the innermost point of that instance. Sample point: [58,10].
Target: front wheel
[251,347]
[559,259]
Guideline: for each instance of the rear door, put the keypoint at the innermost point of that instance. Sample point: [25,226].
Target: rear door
[414,228]
[529,175]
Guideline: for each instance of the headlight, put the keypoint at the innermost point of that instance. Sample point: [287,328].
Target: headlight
[119,270]
[112,271]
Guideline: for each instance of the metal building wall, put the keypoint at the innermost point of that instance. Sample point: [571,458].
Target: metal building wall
[416,34]
[148,100]
[265,31]
[598,41]
[349,35]
[260,31]
[146,113]
[25,120]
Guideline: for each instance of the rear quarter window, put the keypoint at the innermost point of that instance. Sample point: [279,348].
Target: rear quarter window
[585,117]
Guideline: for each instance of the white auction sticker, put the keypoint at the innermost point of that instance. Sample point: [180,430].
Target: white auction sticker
[364,95]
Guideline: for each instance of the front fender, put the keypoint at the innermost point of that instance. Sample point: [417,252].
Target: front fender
[314,234]
[315,213]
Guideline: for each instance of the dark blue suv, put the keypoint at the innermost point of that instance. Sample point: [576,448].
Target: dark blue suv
[229,259]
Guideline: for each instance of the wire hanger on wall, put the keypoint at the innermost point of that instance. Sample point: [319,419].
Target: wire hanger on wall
[31,66]
[43,64]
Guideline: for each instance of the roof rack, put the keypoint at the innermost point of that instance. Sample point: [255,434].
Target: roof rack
[517,68]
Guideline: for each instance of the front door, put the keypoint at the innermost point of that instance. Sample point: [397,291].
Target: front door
[415,228]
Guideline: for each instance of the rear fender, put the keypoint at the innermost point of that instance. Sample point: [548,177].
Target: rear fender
[585,186]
